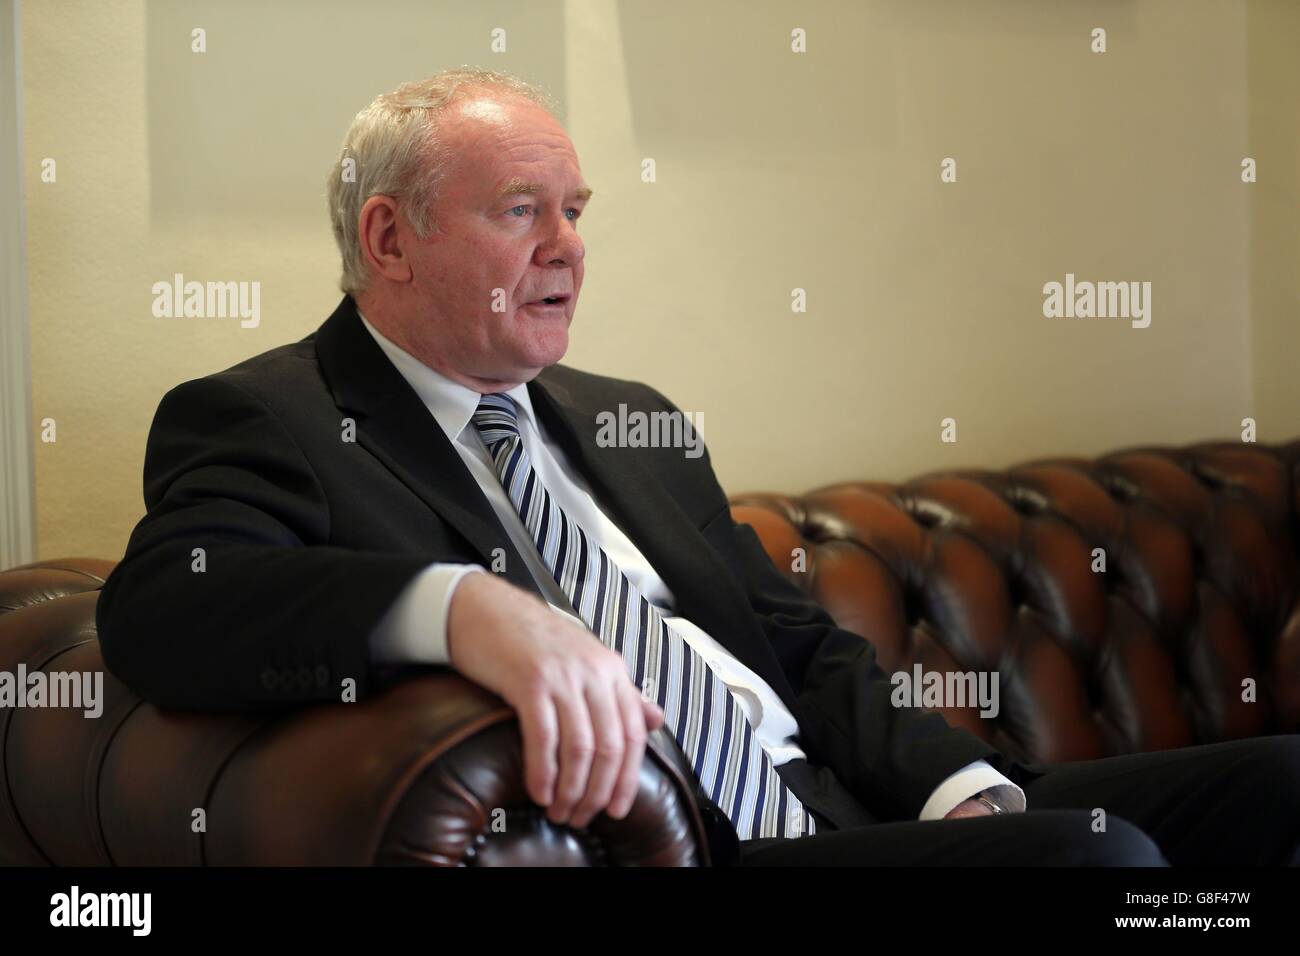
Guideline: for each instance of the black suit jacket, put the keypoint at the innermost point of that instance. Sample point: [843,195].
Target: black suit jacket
[307,539]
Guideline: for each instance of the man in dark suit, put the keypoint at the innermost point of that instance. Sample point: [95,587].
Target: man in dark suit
[421,481]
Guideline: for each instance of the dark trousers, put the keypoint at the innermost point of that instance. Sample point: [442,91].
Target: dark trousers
[1234,803]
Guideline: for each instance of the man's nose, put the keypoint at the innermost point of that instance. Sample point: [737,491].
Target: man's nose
[562,245]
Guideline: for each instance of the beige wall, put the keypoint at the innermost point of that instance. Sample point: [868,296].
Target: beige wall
[775,171]
[1273,82]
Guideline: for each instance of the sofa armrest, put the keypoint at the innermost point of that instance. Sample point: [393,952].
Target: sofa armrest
[426,772]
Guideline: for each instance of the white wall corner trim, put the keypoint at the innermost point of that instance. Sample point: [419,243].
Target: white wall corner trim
[17,466]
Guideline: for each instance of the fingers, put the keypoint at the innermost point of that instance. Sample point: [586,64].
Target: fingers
[540,730]
[584,726]
[653,714]
[634,737]
[576,750]
[583,752]
[607,727]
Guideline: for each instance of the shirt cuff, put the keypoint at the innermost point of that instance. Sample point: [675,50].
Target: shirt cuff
[966,783]
[414,628]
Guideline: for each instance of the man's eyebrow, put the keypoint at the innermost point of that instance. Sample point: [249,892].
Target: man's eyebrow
[517,187]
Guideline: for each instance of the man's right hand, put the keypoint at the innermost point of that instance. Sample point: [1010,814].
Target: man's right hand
[584,722]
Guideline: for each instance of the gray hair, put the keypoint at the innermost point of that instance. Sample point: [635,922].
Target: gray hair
[392,149]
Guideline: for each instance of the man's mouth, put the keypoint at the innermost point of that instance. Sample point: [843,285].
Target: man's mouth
[552,306]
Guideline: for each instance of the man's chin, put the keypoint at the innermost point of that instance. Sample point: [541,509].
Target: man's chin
[547,351]
[527,372]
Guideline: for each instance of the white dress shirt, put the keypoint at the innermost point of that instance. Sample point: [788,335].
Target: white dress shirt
[414,629]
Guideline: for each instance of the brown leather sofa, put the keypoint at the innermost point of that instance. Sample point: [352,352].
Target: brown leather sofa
[958,570]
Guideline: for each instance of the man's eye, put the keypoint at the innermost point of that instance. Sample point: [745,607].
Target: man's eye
[524,206]
[576,213]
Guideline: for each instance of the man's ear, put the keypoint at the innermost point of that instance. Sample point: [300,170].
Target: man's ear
[380,231]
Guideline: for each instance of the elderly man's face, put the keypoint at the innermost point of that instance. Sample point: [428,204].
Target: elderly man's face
[507,220]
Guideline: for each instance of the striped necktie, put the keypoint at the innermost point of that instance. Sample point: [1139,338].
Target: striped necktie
[700,710]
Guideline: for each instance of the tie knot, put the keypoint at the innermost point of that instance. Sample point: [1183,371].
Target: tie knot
[497,418]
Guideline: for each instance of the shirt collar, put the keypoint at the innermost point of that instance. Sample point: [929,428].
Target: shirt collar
[450,402]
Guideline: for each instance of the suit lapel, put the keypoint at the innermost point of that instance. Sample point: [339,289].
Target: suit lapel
[394,425]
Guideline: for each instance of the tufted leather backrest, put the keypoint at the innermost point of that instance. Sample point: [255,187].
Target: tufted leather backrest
[973,570]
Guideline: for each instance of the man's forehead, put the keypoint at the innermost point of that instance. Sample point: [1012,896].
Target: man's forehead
[486,110]
[482,127]
[489,116]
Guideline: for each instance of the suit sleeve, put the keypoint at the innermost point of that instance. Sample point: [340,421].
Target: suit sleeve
[891,758]
[230,597]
